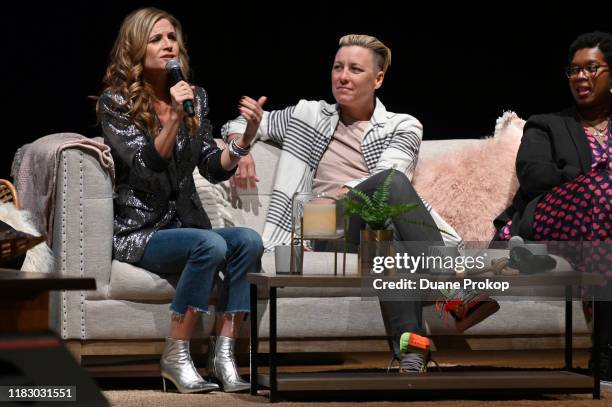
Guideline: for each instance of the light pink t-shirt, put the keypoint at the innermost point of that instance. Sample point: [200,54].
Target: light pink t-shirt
[343,160]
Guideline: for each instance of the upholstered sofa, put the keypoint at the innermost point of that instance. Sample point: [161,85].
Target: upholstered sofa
[128,313]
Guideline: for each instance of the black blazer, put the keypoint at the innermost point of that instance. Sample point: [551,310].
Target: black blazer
[554,149]
[151,192]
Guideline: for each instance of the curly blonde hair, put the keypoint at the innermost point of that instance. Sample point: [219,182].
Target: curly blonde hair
[124,73]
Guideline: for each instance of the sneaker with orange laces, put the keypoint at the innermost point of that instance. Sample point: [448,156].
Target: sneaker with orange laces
[414,353]
[467,307]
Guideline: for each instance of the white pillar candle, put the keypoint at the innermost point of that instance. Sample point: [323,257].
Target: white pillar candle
[319,219]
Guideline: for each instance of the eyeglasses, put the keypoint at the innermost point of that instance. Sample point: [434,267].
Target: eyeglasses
[590,70]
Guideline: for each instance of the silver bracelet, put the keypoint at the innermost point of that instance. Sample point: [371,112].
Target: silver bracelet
[241,149]
[237,151]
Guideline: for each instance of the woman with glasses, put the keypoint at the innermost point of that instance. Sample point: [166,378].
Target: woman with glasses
[563,166]
[564,161]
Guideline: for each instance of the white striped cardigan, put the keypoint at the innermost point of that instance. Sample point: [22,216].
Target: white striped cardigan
[304,132]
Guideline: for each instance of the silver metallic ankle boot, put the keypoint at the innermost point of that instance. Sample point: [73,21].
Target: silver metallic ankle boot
[222,365]
[177,366]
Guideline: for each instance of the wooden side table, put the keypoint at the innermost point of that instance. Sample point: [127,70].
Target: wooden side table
[37,356]
[24,297]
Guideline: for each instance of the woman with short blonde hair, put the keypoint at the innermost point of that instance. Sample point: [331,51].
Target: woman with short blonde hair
[356,143]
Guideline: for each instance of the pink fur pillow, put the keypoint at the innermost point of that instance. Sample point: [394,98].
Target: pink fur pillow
[471,186]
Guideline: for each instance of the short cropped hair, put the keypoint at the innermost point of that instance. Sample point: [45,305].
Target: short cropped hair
[595,39]
[381,51]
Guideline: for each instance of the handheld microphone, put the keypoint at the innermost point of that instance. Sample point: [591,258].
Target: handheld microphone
[173,68]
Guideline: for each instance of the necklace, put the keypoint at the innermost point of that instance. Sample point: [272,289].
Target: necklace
[603,129]
[600,134]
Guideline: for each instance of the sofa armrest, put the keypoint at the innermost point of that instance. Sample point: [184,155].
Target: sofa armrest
[83,220]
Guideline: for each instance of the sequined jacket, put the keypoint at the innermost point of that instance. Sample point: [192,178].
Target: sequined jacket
[151,192]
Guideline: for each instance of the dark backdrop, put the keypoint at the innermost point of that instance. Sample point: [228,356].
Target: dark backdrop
[456,70]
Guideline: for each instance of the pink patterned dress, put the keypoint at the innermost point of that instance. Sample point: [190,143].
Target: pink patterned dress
[580,210]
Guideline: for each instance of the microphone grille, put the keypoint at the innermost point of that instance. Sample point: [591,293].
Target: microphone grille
[172,65]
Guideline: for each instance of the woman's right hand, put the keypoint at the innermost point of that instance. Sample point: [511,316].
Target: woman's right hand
[179,93]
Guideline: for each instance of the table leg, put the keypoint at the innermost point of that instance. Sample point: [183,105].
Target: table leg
[596,350]
[344,255]
[569,329]
[272,355]
[336,259]
[254,351]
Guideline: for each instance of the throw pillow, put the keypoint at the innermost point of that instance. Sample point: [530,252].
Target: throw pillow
[471,186]
[214,198]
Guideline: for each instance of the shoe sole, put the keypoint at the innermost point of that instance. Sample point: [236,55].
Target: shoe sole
[238,389]
[484,310]
[167,377]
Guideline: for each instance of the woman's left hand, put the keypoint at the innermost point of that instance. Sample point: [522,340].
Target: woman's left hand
[340,192]
[246,174]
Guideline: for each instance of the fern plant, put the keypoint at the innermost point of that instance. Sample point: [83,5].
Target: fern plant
[376,210]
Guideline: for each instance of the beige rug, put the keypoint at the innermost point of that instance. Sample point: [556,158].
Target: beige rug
[148,394]
[151,398]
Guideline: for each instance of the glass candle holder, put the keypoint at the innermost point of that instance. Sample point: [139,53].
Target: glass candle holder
[315,215]
[319,217]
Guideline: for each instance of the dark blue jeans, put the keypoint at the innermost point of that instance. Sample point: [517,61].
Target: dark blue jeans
[197,255]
